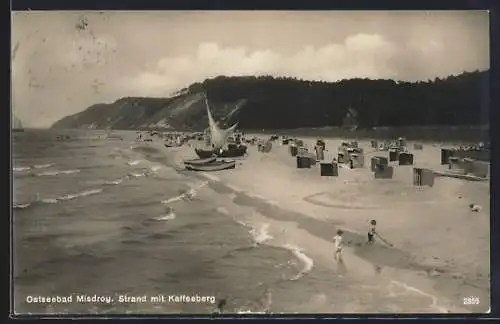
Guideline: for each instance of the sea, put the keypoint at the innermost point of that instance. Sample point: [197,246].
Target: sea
[101,226]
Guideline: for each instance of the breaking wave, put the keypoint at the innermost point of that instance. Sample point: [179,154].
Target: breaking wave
[306,260]
[134,162]
[80,194]
[187,195]
[170,216]
[56,172]
[36,166]
[56,200]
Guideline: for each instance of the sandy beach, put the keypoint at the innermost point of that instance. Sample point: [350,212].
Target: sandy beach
[440,251]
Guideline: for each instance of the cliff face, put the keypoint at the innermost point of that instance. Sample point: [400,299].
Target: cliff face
[269,103]
[185,111]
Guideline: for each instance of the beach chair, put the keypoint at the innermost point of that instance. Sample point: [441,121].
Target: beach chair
[423,177]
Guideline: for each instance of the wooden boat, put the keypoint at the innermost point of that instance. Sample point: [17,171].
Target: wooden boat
[231,152]
[171,145]
[200,161]
[213,166]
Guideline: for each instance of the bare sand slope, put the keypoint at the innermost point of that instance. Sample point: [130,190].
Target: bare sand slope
[441,249]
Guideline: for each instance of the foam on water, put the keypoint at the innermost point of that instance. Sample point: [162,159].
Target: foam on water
[80,194]
[35,166]
[155,168]
[56,200]
[260,233]
[43,166]
[434,300]
[306,260]
[173,199]
[187,195]
[134,162]
[57,172]
[138,174]
[114,182]
[49,200]
[20,206]
[21,169]
[170,216]
[222,210]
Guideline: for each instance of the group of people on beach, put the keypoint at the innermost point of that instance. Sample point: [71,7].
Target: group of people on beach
[339,243]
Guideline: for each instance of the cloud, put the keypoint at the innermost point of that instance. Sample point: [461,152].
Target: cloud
[60,70]
[360,55]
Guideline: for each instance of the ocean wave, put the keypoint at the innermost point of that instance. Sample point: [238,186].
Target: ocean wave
[155,168]
[21,169]
[170,216]
[222,210]
[49,200]
[306,260]
[187,195]
[56,172]
[173,199]
[434,300]
[20,206]
[138,174]
[80,194]
[35,166]
[114,182]
[260,233]
[134,162]
[57,199]
[43,166]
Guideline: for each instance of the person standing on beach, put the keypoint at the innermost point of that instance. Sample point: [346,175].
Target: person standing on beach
[372,232]
[337,241]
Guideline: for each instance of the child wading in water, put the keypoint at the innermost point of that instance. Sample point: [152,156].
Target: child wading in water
[372,232]
[337,241]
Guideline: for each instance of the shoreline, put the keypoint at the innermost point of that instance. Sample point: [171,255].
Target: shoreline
[469,134]
[447,133]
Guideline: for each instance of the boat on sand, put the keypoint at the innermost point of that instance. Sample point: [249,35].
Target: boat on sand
[200,161]
[231,152]
[213,166]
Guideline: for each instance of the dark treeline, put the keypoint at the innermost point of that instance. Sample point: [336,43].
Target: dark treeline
[286,103]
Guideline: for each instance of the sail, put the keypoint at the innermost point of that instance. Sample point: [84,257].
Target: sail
[218,136]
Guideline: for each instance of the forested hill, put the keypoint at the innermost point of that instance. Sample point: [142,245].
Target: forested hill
[286,103]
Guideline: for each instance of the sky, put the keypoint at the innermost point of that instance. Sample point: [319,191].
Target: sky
[60,65]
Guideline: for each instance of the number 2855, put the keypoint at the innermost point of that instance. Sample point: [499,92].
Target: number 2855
[471,300]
